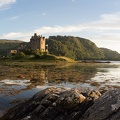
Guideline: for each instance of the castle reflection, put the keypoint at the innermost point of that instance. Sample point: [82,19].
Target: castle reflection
[40,79]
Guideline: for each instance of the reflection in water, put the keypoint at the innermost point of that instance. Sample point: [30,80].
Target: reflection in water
[40,79]
[72,75]
[109,78]
[18,83]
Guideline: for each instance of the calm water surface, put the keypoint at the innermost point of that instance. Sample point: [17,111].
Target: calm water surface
[86,76]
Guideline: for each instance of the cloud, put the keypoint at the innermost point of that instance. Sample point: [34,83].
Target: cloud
[107,22]
[73,0]
[12,35]
[41,30]
[58,29]
[43,14]
[107,40]
[16,35]
[14,17]
[5,4]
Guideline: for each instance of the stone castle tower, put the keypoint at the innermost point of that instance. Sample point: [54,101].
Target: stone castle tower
[37,42]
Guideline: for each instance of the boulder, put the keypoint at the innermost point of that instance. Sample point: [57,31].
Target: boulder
[107,107]
[67,104]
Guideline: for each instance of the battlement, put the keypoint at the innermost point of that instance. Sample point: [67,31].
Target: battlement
[37,37]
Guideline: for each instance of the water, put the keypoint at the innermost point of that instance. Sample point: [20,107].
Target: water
[88,76]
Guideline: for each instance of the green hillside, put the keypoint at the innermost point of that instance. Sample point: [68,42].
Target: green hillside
[74,47]
[9,44]
[110,55]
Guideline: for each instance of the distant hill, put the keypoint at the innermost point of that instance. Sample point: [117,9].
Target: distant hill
[74,47]
[110,54]
[9,44]
[10,41]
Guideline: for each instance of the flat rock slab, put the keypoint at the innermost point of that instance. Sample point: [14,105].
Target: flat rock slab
[67,104]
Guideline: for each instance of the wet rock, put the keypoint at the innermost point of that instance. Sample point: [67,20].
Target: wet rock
[21,76]
[51,103]
[94,94]
[67,104]
[107,107]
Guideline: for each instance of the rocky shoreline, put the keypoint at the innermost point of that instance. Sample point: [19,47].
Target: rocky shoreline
[68,104]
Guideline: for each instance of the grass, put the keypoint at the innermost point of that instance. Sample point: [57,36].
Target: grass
[38,58]
[63,58]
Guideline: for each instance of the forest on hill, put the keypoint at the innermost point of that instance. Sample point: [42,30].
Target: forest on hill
[72,47]
[79,49]
[110,54]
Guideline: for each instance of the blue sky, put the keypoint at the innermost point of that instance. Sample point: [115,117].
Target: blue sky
[97,20]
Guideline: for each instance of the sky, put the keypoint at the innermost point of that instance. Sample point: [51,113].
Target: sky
[96,20]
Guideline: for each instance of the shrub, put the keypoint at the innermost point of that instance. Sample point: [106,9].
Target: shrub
[19,55]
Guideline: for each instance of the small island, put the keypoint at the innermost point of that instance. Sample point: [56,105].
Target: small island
[35,50]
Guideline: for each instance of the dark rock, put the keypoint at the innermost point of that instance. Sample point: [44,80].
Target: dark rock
[67,104]
[107,107]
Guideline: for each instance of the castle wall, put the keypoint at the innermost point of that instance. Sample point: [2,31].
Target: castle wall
[42,44]
[10,52]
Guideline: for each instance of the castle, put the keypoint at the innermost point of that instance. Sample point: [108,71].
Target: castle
[37,42]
